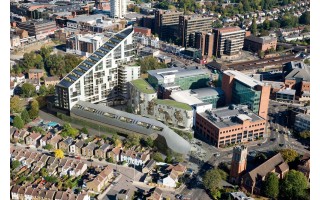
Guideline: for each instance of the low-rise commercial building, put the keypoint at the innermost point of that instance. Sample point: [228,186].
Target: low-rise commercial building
[287,95]
[191,78]
[229,125]
[258,44]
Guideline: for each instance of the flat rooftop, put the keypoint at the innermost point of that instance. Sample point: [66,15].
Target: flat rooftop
[173,103]
[86,18]
[227,117]
[287,91]
[251,82]
[192,97]
[143,86]
[177,71]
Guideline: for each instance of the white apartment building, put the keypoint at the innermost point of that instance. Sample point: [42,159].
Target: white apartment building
[96,78]
[127,73]
[84,45]
[118,8]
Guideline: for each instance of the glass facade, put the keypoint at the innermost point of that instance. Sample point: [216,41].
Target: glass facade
[243,94]
[192,82]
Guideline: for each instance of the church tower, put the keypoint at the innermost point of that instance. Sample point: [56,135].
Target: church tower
[238,163]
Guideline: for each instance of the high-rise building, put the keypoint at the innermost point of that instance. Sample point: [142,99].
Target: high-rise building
[238,163]
[166,23]
[228,41]
[188,25]
[204,41]
[118,8]
[97,78]
[242,89]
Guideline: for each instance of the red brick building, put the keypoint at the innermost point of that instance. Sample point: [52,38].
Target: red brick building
[229,125]
[257,44]
[142,30]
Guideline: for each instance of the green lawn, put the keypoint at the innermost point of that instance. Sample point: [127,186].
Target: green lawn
[173,104]
[143,86]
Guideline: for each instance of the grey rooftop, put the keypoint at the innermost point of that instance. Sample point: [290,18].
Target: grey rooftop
[230,116]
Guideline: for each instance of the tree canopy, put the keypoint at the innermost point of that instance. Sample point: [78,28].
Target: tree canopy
[150,63]
[28,90]
[157,157]
[34,109]
[289,155]
[305,134]
[69,131]
[305,18]
[18,122]
[271,186]
[16,105]
[25,116]
[211,181]
[58,153]
[293,186]
[132,140]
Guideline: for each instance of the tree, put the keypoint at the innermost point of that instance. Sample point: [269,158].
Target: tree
[43,172]
[293,186]
[28,90]
[116,140]
[58,153]
[132,140]
[211,181]
[150,63]
[305,18]
[51,179]
[266,24]
[69,131]
[289,155]
[305,134]
[34,109]
[48,147]
[254,27]
[168,159]
[147,141]
[16,104]
[15,164]
[84,130]
[43,90]
[51,89]
[260,158]
[38,130]
[157,157]
[45,52]
[271,186]
[261,54]
[25,116]
[18,122]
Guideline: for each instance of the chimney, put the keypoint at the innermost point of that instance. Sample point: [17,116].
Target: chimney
[74,14]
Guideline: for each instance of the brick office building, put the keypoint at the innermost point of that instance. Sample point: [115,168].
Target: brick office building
[229,125]
[256,44]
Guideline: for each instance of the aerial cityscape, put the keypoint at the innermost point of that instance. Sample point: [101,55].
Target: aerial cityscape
[160,100]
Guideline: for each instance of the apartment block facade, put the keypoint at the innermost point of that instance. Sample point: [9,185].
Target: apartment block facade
[118,8]
[242,89]
[228,41]
[83,45]
[229,125]
[96,78]
[204,41]
[188,25]
[166,23]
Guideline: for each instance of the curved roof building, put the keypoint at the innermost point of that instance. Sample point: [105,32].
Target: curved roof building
[130,122]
